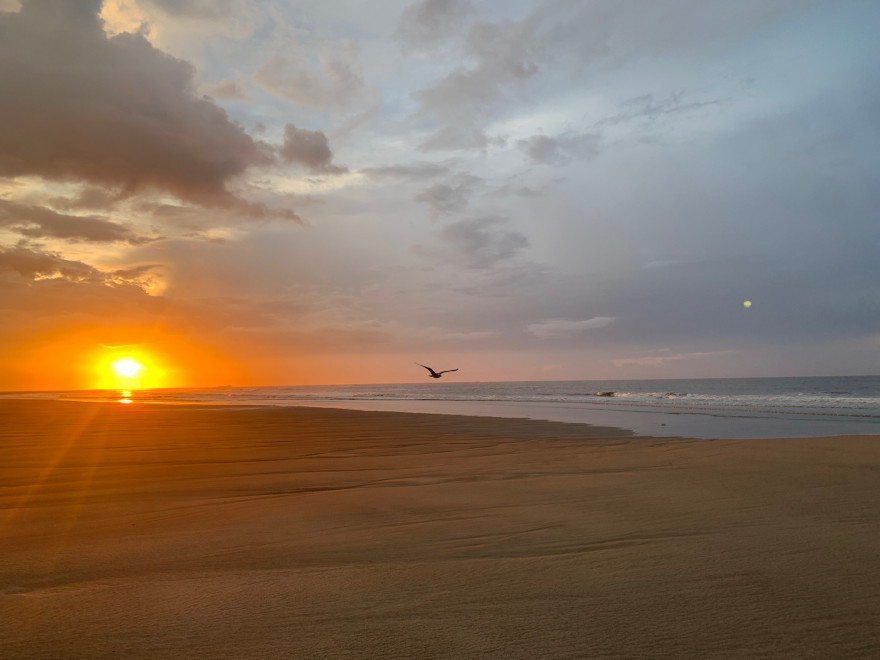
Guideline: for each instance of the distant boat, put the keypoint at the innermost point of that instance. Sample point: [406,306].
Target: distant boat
[436,374]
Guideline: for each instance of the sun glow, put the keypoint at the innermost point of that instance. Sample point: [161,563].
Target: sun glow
[134,369]
[127,367]
[82,358]
[128,373]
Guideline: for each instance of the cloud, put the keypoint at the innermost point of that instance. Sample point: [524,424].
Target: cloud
[465,337]
[410,171]
[661,360]
[113,111]
[315,334]
[561,149]
[227,90]
[463,102]
[428,22]
[89,197]
[32,264]
[564,41]
[38,222]
[554,328]
[501,56]
[326,76]
[169,23]
[37,265]
[197,9]
[477,243]
[308,148]
[449,197]
[648,107]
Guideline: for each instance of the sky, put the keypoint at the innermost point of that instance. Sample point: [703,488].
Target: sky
[283,192]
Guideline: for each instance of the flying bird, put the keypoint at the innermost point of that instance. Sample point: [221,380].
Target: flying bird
[436,374]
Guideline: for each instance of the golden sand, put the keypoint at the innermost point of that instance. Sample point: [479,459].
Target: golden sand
[191,532]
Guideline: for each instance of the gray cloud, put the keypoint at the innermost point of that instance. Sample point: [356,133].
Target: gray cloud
[32,264]
[332,80]
[428,22]
[664,357]
[649,107]
[38,265]
[450,197]
[570,38]
[113,112]
[561,149]
[227,90]
[39,222]
[197,9]
[310,149]
[463,102]
[482,242]
[554,328]
[89,197]
[410,171]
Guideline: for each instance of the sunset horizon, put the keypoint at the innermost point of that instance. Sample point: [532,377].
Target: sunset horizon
[107,386]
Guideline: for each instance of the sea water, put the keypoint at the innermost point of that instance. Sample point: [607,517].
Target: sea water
[699,408]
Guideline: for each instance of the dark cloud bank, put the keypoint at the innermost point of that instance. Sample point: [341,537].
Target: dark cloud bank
[118,113]
[37,222]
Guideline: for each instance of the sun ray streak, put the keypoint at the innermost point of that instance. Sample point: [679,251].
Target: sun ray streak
[32,490]
[82,486]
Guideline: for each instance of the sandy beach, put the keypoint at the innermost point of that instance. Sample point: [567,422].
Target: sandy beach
[138,531]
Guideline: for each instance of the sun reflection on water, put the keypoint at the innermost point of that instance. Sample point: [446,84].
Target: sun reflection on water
[125,396]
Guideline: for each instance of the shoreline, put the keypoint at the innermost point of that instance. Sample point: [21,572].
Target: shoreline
[134,531]
[699,408]
[639,418]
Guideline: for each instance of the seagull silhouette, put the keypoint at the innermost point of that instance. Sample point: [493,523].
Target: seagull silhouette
[436,374]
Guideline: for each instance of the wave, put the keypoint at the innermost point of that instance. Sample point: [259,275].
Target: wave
[710,408]
[858,395]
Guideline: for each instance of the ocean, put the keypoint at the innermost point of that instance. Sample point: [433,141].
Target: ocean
[696,408]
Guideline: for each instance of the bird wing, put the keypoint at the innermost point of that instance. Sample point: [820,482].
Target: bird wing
[448,370]
[433,373]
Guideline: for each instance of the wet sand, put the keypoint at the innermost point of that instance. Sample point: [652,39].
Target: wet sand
[182,531]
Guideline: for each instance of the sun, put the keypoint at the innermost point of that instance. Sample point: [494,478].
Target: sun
[127,367]
[129,371]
